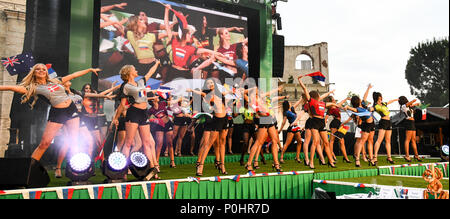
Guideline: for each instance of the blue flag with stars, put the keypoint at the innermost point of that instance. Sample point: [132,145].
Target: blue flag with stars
[19,64]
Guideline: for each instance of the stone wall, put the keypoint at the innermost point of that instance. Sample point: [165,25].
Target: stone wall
[12,33]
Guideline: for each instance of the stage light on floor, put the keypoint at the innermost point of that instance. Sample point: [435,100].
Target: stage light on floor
[115,167]
[79,169]
[140,166]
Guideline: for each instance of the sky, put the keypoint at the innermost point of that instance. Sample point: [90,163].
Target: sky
[368,41]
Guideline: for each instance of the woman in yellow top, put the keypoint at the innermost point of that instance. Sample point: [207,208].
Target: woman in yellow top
[384,126]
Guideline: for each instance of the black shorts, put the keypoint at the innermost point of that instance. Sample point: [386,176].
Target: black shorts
[290,130]
[101,121]
[230,124]
[135,115]
[367,127]
[90,122]
[63,115]
[167,128]
[385,124]
[335,124]
[121,126]
[265,122]
[249,128]
[318,124]
[216,124]
[174,73]
[409,125]
[308,124]
[182,121]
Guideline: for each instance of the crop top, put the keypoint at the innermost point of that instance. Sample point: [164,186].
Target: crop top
[382,109]
[230,53]
[143,48]
[159,113]
[409,112]
[335,111]
[136,94]
[182,54]
[317,107]
[54,93]
[291,116]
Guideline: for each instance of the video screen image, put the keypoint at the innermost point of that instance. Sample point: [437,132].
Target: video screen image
[191,43]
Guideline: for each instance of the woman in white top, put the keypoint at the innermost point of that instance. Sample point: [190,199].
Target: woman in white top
[63,112]
[407,108]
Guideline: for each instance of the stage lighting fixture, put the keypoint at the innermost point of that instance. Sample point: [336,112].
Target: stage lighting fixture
[79,169]
[445,150]
[140,166]
[115,167]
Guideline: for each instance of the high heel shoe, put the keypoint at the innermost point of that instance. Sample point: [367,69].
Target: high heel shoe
[277,167]
[217,164]
[172,164]
[222,171]
[306,163]
[418,159]
[322,163]
[345,160]
[297,160]
[255,165]
[58,173]
[248,168]
[332,166]
[407,160]
[389,159]
[356,163]
[282,161]
[198,173]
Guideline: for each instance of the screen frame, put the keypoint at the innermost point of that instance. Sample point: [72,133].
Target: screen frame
[253,16]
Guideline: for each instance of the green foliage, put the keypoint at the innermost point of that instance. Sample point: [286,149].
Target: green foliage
[427,72]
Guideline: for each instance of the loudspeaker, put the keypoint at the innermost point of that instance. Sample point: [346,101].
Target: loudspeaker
[278,56]
[18,173]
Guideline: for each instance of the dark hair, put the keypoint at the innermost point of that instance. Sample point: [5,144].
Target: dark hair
[239,51]
[314,94]
[328,99]
[355,101]
[402,100]
[286,106]
[376,96]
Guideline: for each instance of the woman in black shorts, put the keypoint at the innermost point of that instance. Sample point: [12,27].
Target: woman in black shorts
[407,108]
[384,126]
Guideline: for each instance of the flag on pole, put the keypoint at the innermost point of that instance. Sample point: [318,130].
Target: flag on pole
[51,72]
[18,64]
[319,77]
[424,107]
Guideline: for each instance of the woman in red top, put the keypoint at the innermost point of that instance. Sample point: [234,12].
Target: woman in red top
[335,125]
[317,109]
[183,52]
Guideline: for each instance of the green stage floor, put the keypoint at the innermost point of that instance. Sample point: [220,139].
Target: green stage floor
[183,171]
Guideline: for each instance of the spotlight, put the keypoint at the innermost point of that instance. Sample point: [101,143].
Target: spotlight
[140,166]
[115,167]
[79,169]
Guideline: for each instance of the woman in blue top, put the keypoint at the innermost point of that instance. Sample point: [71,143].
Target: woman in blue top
[367,127]
[293,130]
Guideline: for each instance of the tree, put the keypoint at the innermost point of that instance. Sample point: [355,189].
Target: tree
[427,72]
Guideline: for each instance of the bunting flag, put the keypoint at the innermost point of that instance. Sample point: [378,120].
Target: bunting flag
[237,178]
[2,192]
[265,174]
[35,195]
[19,64]
[323,182]
[194,179]
[294,173]
[98,192]
[174,187]
[68,193]
[251,173]
[280,173]
[360,185]
[403,193]
[126,191]
[216,179]
[319,77]
[150,190]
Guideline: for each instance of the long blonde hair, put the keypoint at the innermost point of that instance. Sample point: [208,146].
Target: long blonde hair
[29,82]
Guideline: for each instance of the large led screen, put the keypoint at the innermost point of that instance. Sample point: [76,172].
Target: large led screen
[191,43]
